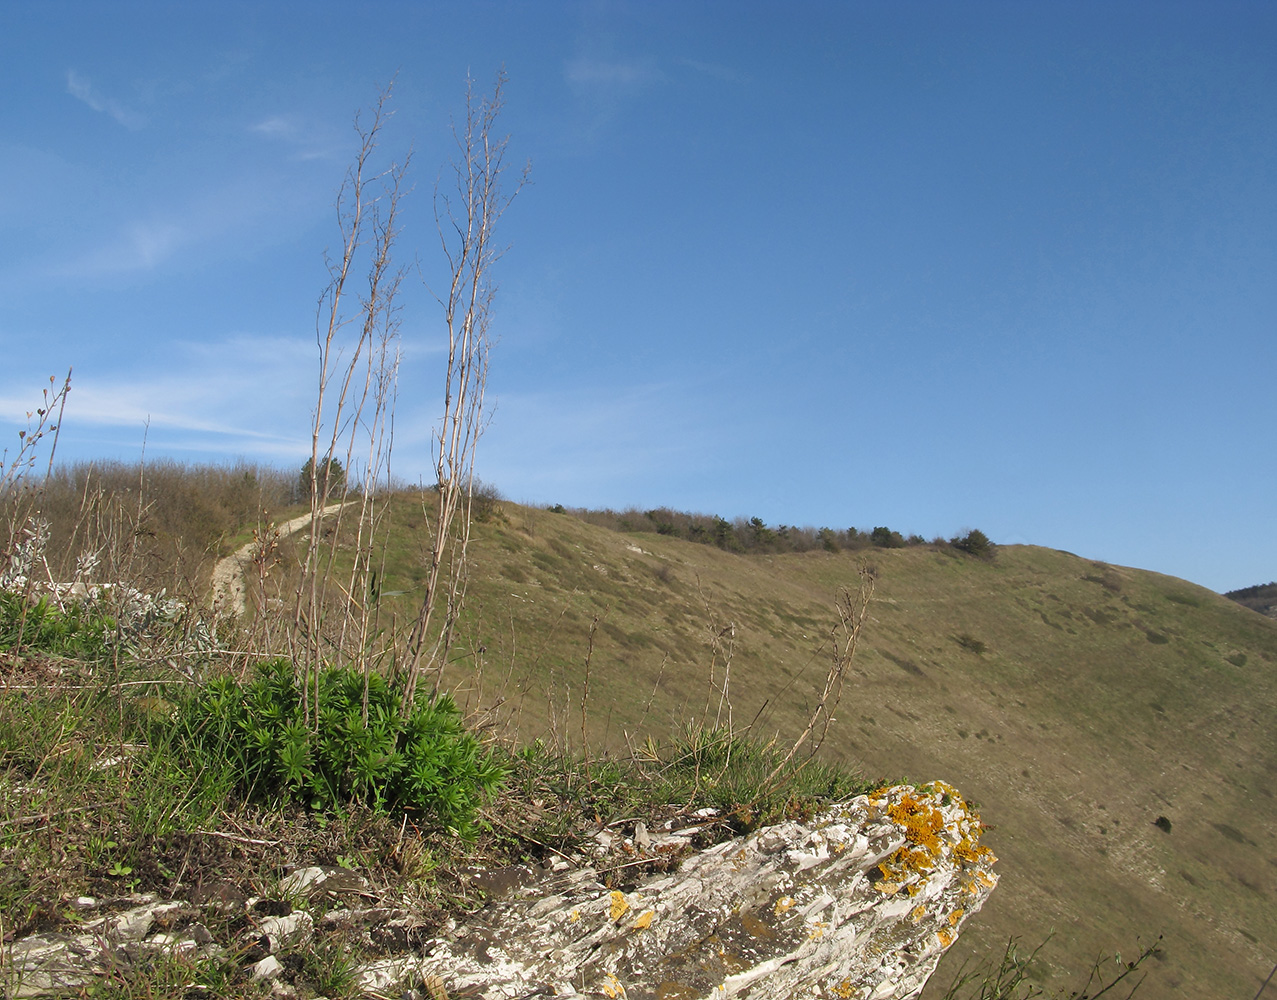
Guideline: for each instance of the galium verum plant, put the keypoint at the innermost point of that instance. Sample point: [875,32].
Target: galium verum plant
[369,747]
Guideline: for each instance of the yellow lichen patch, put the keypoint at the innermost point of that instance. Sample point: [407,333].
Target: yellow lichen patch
[612,987]
[844,990]
[645,921]
[955,916]
[783,904]
[576,915]
[905,862]
[922,821]
[619,905]
[946,938]
[918,913]
[818,930]
[887,888]
[969,852]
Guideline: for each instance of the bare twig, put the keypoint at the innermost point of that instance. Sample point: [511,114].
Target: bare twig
[851,610]
[235,837]
[585,696]
[37,817]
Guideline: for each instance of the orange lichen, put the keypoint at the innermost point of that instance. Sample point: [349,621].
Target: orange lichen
[645,921]
[619,905]
[903,864]
[844,990]
[955,916]
[918,913]
[929,837]
[783,904]
[612,987]
[922,821]
[946,938]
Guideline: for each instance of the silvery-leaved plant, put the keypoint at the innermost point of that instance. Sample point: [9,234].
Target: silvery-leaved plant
[27,554]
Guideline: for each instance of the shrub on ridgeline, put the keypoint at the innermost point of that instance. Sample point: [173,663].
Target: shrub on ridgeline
[885,538]
[974,543]
[422,761]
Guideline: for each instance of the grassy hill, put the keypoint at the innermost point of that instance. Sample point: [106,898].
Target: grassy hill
[1115,725]
[1261,597]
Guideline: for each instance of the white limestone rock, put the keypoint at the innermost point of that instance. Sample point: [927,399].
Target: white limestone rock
[859,903]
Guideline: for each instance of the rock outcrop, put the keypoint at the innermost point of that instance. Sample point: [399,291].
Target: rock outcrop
[859,902]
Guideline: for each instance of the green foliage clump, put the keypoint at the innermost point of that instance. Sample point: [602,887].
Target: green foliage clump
[974,543]
[361,745]
[41,626]
[885,538]
[330,479]
[970,643]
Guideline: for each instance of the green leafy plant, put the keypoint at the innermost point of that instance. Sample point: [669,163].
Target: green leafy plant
[362,745]
[40,626]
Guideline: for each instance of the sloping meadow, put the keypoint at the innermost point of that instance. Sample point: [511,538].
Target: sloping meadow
[1114,725]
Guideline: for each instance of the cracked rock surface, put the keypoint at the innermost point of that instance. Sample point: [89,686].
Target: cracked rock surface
[861,902]
[857,904]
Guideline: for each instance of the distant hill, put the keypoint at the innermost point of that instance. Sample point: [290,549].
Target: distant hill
[1114,725]
[1261,598]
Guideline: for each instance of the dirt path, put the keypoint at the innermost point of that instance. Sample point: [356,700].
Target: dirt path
[228,574]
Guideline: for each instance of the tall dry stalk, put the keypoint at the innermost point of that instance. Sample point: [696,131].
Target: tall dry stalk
[16,490]
[26,532]
[466,221]
[354,407]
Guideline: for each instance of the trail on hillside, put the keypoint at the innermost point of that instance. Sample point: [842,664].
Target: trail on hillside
[228,574]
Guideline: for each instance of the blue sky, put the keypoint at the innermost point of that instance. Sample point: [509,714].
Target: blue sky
[925,265]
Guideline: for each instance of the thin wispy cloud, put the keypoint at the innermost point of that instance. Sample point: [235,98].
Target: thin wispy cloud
[279,127]
[82,89]
[620,437]
[602,86]
[716,70]
[623,73]
[142,245]
[244,394]
[309,142]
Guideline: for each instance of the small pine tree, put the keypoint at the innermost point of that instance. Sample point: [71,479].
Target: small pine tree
[331,480]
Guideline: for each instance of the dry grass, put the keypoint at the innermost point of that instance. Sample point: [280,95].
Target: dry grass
[1077,702]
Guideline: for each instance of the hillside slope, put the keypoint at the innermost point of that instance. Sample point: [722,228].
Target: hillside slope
[1085,707]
